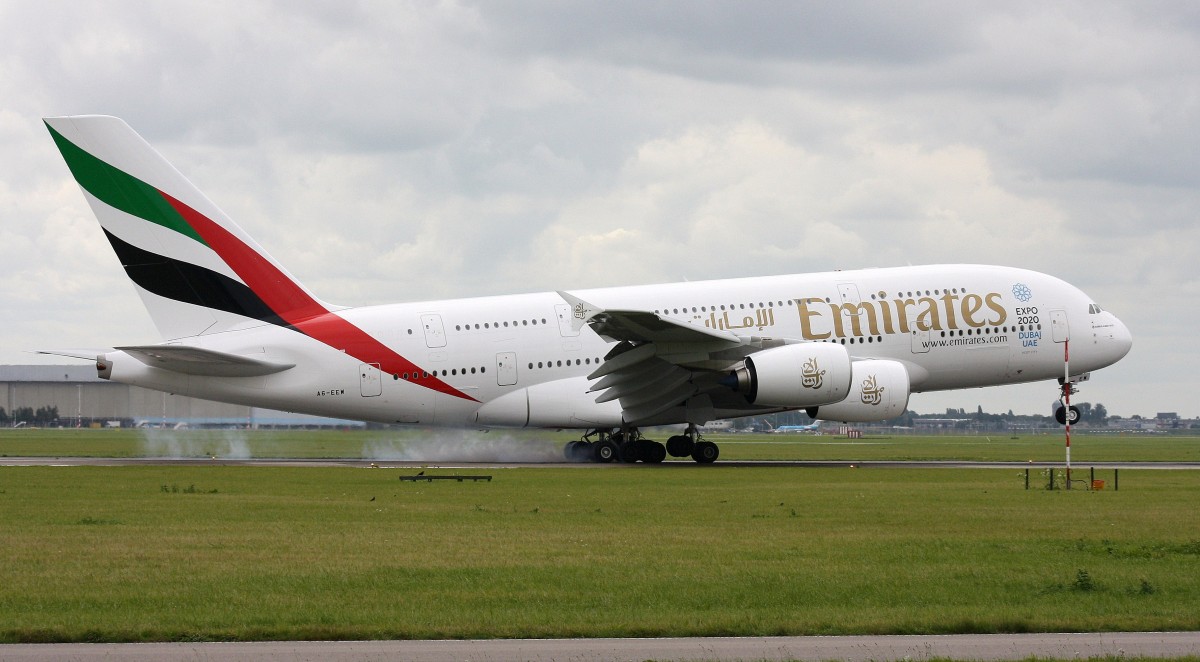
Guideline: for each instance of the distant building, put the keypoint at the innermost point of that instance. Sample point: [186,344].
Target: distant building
[1167,419]
[941,423]
[1131,423]
[84,399]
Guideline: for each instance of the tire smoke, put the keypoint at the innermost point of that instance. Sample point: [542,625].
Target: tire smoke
[225,444]
[464,447]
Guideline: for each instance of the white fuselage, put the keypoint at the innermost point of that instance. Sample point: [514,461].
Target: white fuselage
[952,326]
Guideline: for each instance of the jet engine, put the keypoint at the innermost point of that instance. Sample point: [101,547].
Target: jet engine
[795,376]
[879,391]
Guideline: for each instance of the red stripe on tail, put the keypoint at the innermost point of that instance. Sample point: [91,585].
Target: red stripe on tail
[293,305]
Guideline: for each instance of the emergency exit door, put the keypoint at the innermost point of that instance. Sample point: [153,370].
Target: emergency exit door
[1058,326]
[435,335]
[370,382]
[506,368]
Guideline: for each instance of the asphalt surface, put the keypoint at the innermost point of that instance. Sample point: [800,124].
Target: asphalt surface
[914,647]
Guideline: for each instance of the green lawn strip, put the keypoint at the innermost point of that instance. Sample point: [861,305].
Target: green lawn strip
[181,553]
[989,448]
[200,443]
[1094,658]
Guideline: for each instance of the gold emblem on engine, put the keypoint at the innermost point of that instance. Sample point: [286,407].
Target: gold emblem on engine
[872,392]
[811,374]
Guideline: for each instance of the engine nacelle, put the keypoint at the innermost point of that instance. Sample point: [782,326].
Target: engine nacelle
[880,391]
[796,376]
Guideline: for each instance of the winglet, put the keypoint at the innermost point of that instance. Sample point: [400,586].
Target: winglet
[581,311]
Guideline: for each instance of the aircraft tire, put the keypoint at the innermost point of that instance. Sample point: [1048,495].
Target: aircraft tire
[631,451]
[1060,415]
[653,452]
[604,451]
[578,451]
[705,452]
[680,446]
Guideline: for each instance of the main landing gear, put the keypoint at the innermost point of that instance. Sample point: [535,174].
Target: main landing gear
[1061,414]
[628,445]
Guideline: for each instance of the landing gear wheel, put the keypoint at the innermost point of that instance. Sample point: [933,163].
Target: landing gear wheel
[604,451]
[1060,415]
[631,451]
[653,452]
[578,451]
[705,452]
[680,446]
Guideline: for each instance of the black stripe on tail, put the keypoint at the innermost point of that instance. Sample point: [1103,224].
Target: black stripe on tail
[188,283]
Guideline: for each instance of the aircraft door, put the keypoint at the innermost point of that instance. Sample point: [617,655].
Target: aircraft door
[506,368]
[1058,326]
[848,292]
[370,382]
[563,312]
[435,335]
[920,337]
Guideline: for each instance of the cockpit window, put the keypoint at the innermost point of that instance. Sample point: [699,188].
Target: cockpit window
[1094,309]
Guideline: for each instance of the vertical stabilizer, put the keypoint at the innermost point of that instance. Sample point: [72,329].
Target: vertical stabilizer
[196,271]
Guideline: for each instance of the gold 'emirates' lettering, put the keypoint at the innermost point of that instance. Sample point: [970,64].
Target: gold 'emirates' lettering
[820,319]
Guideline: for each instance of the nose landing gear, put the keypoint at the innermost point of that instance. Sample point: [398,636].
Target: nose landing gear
[1067,411]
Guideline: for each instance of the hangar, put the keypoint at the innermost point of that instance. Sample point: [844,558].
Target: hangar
[82,399]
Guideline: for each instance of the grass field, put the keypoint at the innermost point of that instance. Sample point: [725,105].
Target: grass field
[217,552]
[212,552]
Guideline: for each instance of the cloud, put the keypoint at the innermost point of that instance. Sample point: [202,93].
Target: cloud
[400,152]
[742,199]
[708,38]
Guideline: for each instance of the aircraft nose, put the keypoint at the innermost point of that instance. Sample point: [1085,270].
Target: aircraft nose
[1122,339]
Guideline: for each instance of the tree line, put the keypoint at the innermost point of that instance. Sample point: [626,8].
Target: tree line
[1091,414]
[30,416]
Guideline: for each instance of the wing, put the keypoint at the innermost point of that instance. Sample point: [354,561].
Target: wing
[659,363]
[640,326]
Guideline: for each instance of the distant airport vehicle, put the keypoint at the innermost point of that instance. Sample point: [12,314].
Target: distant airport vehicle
[843,346]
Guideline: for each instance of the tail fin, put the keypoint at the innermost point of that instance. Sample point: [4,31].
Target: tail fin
[196,271]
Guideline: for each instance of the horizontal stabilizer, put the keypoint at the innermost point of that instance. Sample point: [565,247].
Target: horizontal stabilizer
[85,354]
[199,361]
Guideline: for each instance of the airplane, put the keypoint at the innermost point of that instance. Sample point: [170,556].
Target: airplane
[811,427]
[843,346]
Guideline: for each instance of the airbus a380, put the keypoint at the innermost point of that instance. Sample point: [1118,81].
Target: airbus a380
[843,346]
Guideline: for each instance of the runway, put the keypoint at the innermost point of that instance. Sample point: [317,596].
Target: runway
[669,465]
[851,649]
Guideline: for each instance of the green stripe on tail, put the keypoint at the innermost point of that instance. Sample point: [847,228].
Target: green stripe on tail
[120,190]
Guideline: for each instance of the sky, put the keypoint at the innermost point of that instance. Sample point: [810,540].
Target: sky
[388,151]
